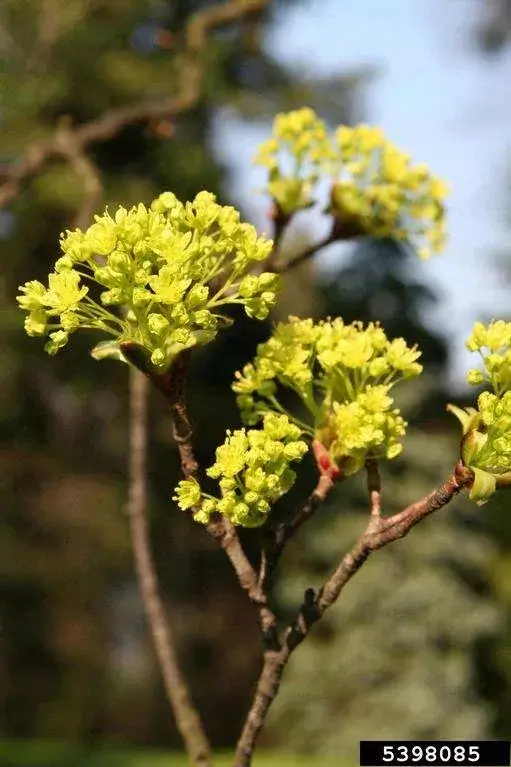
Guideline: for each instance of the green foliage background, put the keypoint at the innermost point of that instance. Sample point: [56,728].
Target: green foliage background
[418,647]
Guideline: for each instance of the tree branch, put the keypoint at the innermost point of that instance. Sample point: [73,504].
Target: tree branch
[340,231]
[280,222]
[226,535]
[305,255]
[172,385]
[187,717]
[380,531]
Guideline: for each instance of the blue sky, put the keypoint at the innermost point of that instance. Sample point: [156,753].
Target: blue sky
[436,98]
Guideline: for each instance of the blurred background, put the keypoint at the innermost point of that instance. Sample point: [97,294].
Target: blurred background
[420,645]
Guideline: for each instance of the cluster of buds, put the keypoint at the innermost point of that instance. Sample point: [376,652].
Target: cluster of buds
[486,441]
[295,156]
[343,375]
[145,277]
[376,191]
[253,471]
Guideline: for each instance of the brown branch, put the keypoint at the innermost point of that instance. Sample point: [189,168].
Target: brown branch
[187,717]
[267,688]
[280,222]
[305,255]
[379,532]
[341,231]
[219,16]
[190,70]
[226,535]
[172,385]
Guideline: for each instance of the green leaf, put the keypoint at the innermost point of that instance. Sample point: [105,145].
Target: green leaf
[471,444]
[467,417]
[108,350]
[483,487]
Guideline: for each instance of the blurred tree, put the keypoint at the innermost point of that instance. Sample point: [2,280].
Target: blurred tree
[494,30]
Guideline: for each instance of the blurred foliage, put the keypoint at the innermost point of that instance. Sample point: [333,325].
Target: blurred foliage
[493,31]
[75,659]
[14,754]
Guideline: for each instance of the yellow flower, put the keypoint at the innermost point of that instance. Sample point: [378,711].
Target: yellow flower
[64,291]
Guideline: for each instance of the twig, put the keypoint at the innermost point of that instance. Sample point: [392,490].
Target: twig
[226,535]
[374,486]
[341,231]
[280,221]
[190,71]
[305,255]
[187,717]
[267,688]
[173,385]
[379,532]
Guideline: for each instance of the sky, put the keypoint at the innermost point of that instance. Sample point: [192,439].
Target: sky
[437,98]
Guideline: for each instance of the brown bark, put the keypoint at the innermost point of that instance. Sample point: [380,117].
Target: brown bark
[185,713]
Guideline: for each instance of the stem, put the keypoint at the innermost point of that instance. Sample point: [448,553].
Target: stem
[267,688]
[373,486]
[172,385]
[281,221]
[306,254]
[226,535]
[187,717]
[306,427]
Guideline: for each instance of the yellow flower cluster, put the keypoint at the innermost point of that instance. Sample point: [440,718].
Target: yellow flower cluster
[379,192]
[496,338]
[157,266]
[486,442]
[343,374]
[368,425]
[301,138]
[376,191]
[253,471]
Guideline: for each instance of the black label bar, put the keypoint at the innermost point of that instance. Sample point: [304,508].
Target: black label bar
[435,753]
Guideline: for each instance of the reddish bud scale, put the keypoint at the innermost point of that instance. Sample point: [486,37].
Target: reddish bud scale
[324,462]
